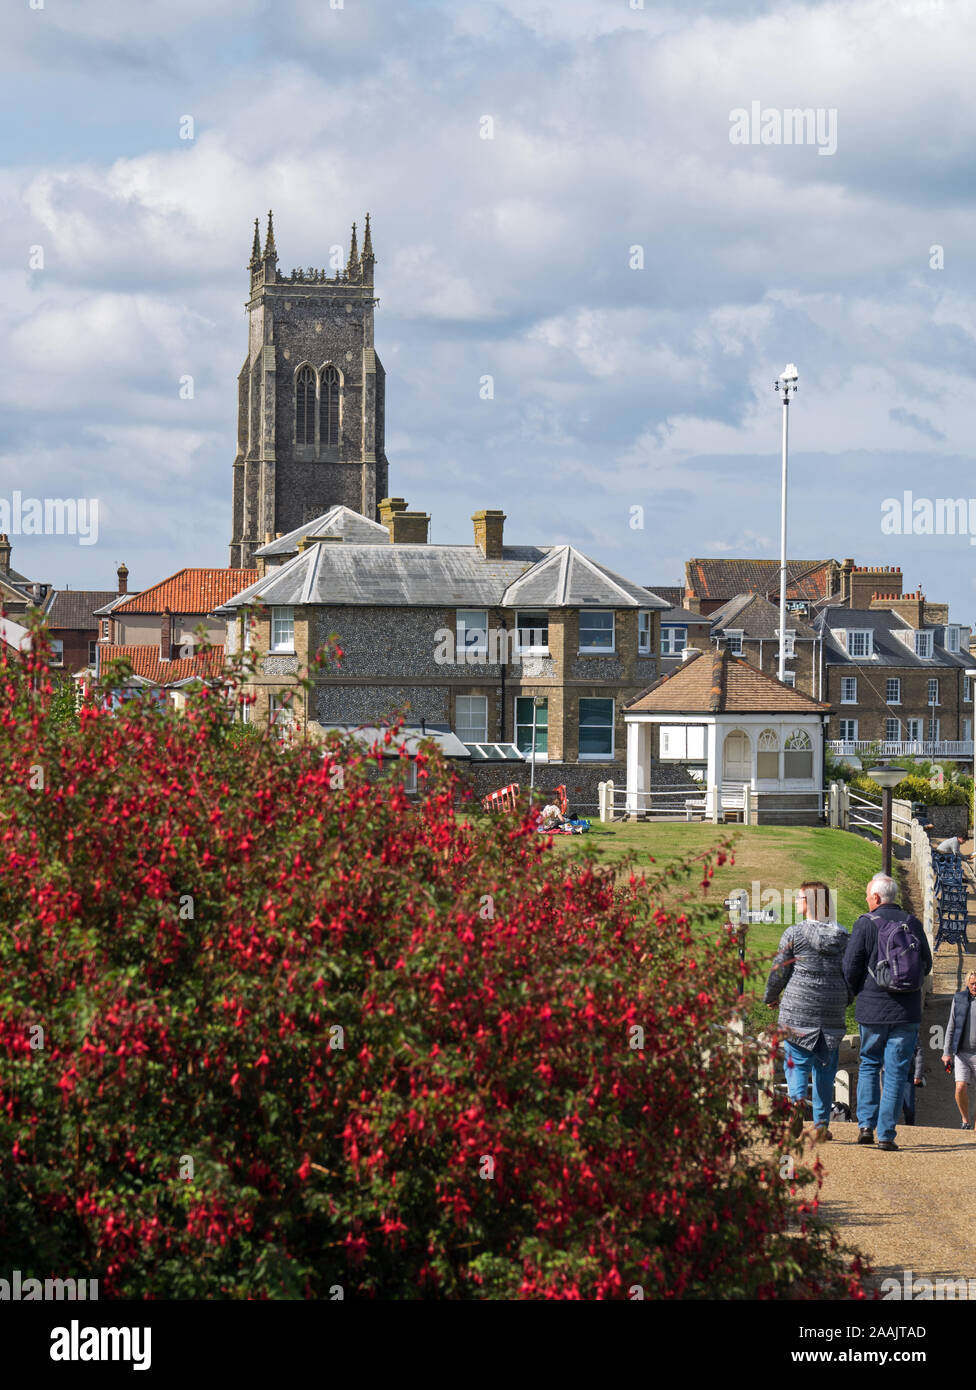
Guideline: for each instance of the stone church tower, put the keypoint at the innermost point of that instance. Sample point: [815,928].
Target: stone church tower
[311,398]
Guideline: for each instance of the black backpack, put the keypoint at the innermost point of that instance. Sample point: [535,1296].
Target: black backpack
[898,968]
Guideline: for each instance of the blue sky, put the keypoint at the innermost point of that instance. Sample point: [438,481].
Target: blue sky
[615,386]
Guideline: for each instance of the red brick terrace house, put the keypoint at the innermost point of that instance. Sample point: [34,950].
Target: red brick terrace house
[711,583]
[156,630]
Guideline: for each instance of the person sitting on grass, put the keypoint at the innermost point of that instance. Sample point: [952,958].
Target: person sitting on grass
[808,973]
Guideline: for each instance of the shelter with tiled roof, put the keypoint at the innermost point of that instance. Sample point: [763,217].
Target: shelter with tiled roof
[755,744]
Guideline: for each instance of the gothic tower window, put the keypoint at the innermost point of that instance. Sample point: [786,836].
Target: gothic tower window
[305,406]
[329,408]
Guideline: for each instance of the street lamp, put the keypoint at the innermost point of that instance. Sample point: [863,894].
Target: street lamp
[886,777]
[784,383]
[537,700]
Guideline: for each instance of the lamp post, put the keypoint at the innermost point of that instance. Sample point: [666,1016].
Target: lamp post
[784,383]
[972,677]
[887,777]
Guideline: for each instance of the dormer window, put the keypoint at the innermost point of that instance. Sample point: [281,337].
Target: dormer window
[860,642]
[734,638]
[789,641]
[923,644]
[952,639]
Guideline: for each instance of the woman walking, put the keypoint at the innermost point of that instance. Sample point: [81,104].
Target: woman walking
[807,972]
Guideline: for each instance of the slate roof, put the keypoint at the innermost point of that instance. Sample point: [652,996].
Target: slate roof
[757,617]
[683,615]
[338,521]
[147,663]
[188,591]
[74,609]
[716,683]
[568,579]
[722,579]
[442,575]
[888,650]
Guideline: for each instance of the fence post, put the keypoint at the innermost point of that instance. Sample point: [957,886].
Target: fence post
[833,799]
[714,808]
[746,804]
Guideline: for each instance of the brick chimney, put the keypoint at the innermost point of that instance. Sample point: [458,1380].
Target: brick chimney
[868,580]
[405,528]
[4,553]
[846,570]
[489,527]
[166,636]
[123,577]
[911,607]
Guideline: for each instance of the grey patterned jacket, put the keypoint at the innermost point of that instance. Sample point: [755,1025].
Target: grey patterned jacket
[807,972]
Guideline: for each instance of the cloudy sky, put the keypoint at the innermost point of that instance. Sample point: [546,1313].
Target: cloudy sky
[631,278]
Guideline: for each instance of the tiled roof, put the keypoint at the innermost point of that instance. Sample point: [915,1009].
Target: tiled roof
[719,683]
[75,608]
[757,617]
[722,579]
[684,615]
[147,663]
[671,593]
[189,591]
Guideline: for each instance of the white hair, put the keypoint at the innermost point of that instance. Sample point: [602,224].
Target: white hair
[885,887]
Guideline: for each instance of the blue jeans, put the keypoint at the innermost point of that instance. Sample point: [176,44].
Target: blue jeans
[799,1062]
[889,1047]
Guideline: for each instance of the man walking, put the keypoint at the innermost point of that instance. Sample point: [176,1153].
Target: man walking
[884,965]
[960,1044]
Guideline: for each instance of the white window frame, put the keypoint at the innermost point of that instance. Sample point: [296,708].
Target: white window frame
[952,638]
[57,651]
[601,650]
[280,714]
[913,730]
[597,757]
[540,756]
[967,688]
[889,736]
[923,644]
[643,632]
[480,730]
[896,698]
[669,632]
[933,726]
[846,699]
[465,648]
[932,689]
[853,633]
[849,724]
[789,642]
[532,648]
[283,629]
[734,636]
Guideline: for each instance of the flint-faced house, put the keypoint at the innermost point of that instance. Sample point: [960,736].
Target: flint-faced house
[462,637]
[739,728]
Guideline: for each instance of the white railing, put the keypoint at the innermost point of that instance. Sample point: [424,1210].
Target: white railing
[699,801]
[903,747]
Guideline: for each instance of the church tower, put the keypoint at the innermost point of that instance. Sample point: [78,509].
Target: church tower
[311,398]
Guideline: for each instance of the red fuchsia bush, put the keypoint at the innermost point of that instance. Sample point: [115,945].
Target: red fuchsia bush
[303,1035]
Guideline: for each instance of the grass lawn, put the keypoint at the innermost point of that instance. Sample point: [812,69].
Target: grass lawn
[770,864]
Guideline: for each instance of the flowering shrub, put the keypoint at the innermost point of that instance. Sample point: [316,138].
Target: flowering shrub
[269,1028]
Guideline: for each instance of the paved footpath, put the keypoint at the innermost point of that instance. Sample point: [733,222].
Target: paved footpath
[912,1210]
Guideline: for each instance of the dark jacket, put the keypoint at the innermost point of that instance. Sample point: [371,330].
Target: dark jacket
[957,1028]
[808,970]
[875,1006]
